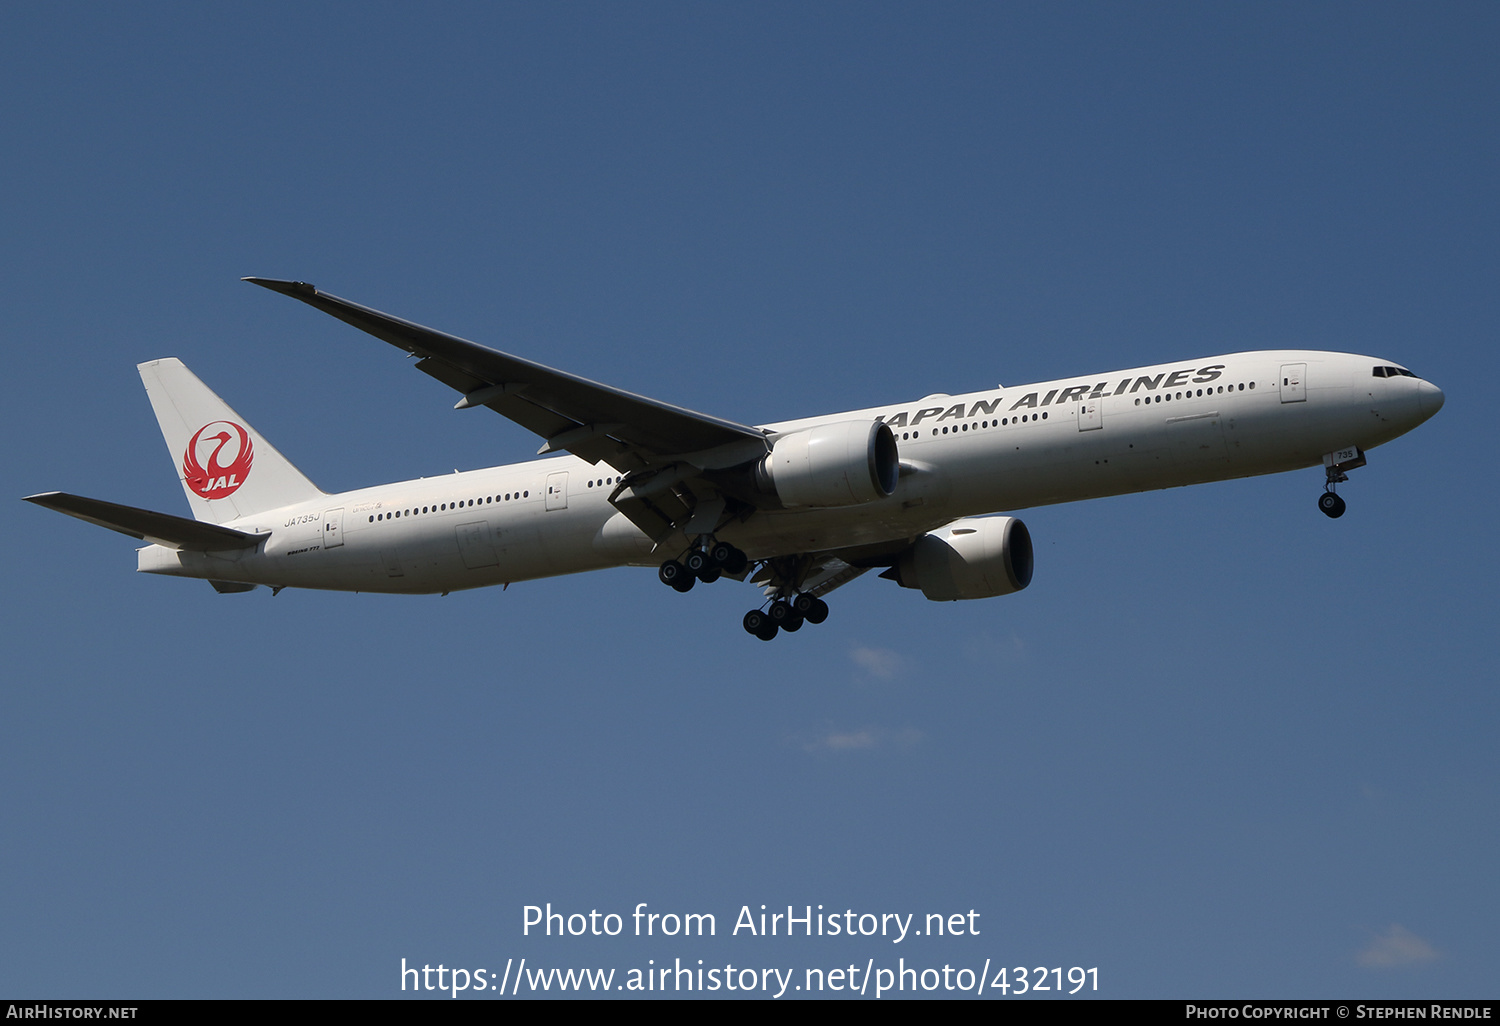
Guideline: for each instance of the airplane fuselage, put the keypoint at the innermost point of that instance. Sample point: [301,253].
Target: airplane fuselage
[1004,449]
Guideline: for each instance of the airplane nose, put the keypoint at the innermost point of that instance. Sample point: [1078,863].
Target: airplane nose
[1431,397]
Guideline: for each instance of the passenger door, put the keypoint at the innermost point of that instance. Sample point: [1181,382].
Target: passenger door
[1293,382]
[557,490]
[333,528]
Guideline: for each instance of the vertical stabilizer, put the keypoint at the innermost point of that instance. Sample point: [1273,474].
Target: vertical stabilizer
[226,468]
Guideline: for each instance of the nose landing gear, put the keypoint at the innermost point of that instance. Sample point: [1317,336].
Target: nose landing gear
[1335,464]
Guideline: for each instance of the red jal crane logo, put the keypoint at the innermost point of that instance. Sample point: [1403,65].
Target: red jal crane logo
[218,480]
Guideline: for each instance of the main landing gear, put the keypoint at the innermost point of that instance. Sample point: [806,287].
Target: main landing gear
[706,564]
[1335,464]
[784,615]
[791,608]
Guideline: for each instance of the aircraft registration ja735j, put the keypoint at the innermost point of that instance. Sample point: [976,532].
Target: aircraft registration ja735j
[798,508]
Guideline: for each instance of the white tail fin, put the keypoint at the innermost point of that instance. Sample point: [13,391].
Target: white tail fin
[227,469]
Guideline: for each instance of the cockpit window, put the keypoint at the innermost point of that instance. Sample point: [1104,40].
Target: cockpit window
[1393,372]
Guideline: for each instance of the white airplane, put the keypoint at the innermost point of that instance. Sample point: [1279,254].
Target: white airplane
[800,508]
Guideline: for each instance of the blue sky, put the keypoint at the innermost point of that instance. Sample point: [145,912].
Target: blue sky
[1222,746]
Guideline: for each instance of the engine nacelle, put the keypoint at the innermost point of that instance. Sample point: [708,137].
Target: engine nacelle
[841,464]
[968,559]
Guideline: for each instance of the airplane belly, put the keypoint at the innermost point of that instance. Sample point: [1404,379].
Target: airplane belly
[569,537]
[472,549]
[1197,443]
[518,545]
[1270,436]
[1124,449]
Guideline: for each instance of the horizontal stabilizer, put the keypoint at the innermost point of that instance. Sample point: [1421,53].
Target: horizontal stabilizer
[160,528]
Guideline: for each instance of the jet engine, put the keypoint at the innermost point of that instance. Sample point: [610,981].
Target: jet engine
[841,464]
[968,559]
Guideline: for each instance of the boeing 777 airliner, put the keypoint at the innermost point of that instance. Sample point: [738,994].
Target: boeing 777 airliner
[798,508]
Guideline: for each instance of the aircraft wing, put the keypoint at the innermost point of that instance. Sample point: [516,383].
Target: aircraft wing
[161,528]
[593,421]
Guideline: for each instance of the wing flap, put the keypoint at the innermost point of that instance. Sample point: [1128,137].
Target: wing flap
[147,525]
[819,574]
